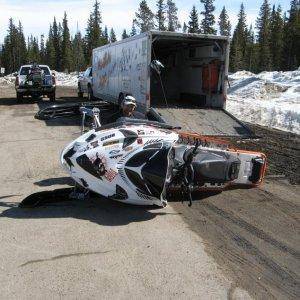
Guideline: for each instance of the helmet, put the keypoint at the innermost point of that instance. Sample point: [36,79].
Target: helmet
[129,100]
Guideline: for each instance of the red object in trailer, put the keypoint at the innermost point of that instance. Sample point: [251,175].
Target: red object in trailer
[210,77]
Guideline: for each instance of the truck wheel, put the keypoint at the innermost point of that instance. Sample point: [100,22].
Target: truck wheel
[52,97]
[19,97]
[80,93]
[90,94]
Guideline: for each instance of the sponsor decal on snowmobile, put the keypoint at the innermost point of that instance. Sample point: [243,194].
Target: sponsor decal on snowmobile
[127,149]
[107,137]
[109,143]
[114,152]
[116,156]
[110,175]
[140,132]
[94,144]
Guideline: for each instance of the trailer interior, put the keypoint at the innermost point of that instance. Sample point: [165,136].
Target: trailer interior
[189,90]
[193,72]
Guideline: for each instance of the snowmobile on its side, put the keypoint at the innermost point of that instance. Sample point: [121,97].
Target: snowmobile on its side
[141,162]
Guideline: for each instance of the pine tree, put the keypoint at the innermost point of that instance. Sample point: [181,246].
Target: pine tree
[224,23]
[276,37]
[105,36]
[66,46]
[133,29]
[9,53]
[184,28]
[238,44]
[249,55]
[144,17]
[93,36]
[124,35]
[263,37]
[160,15]
[291,39]
[172,16]
[43,50]
[193,25]
[21,45]
[208,20]
[50,50]
[112,36]
[78,52]
[33,51]
[56,37]
[14,48]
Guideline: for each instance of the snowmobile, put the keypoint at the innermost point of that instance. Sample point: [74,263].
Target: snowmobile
[141,162]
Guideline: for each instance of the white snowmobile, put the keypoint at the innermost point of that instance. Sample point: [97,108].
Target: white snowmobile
[141,162]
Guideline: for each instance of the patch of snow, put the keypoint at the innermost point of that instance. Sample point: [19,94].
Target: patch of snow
[270,99]
[8,80]
[63,79]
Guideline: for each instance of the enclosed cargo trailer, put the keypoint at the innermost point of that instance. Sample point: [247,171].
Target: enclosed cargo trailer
[175,77]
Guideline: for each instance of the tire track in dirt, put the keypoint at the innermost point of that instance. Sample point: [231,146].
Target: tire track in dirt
[251,258]
[242,231]
[254,230]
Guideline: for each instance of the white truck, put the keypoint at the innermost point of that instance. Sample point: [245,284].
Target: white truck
[35,81]
[177,78]
[85,84]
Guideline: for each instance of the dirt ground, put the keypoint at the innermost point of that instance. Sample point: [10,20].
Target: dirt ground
[238,244]
[282,150]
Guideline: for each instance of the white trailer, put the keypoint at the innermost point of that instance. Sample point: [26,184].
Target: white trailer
[190,90]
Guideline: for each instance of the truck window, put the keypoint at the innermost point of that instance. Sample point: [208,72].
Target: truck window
[46,70]
[25,70]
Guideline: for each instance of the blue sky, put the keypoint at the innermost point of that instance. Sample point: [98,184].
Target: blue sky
[36,15]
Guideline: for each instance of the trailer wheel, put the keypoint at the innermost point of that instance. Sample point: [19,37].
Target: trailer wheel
[90,94]
[120,99]
[80,93]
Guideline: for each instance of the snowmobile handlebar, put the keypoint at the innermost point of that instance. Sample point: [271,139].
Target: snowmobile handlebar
[94,113]
[188,172]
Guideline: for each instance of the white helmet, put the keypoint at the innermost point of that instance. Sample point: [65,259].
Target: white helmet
[129,100]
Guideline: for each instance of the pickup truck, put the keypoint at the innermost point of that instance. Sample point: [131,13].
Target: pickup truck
[85,84]
[35,81]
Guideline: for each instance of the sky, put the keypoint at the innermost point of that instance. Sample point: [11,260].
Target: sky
[36,16]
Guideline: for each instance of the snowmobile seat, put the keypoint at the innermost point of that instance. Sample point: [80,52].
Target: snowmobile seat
[214,168]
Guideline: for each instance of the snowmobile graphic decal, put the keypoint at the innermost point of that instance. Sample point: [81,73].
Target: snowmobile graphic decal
[96,166]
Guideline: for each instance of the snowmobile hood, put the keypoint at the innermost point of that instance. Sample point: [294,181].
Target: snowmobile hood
[129,163]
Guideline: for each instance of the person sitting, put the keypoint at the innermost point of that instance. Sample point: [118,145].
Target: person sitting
[127,110]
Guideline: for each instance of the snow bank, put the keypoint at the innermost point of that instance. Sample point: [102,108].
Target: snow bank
[270,99]
[63,79]
[8,80]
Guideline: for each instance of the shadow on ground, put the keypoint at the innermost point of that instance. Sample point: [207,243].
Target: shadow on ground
[99,210]
[54,181]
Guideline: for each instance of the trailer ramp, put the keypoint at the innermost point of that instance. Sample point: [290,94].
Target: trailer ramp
[212,122]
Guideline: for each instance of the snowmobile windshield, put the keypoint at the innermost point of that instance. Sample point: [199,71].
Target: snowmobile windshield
[129,121]
[26,70]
